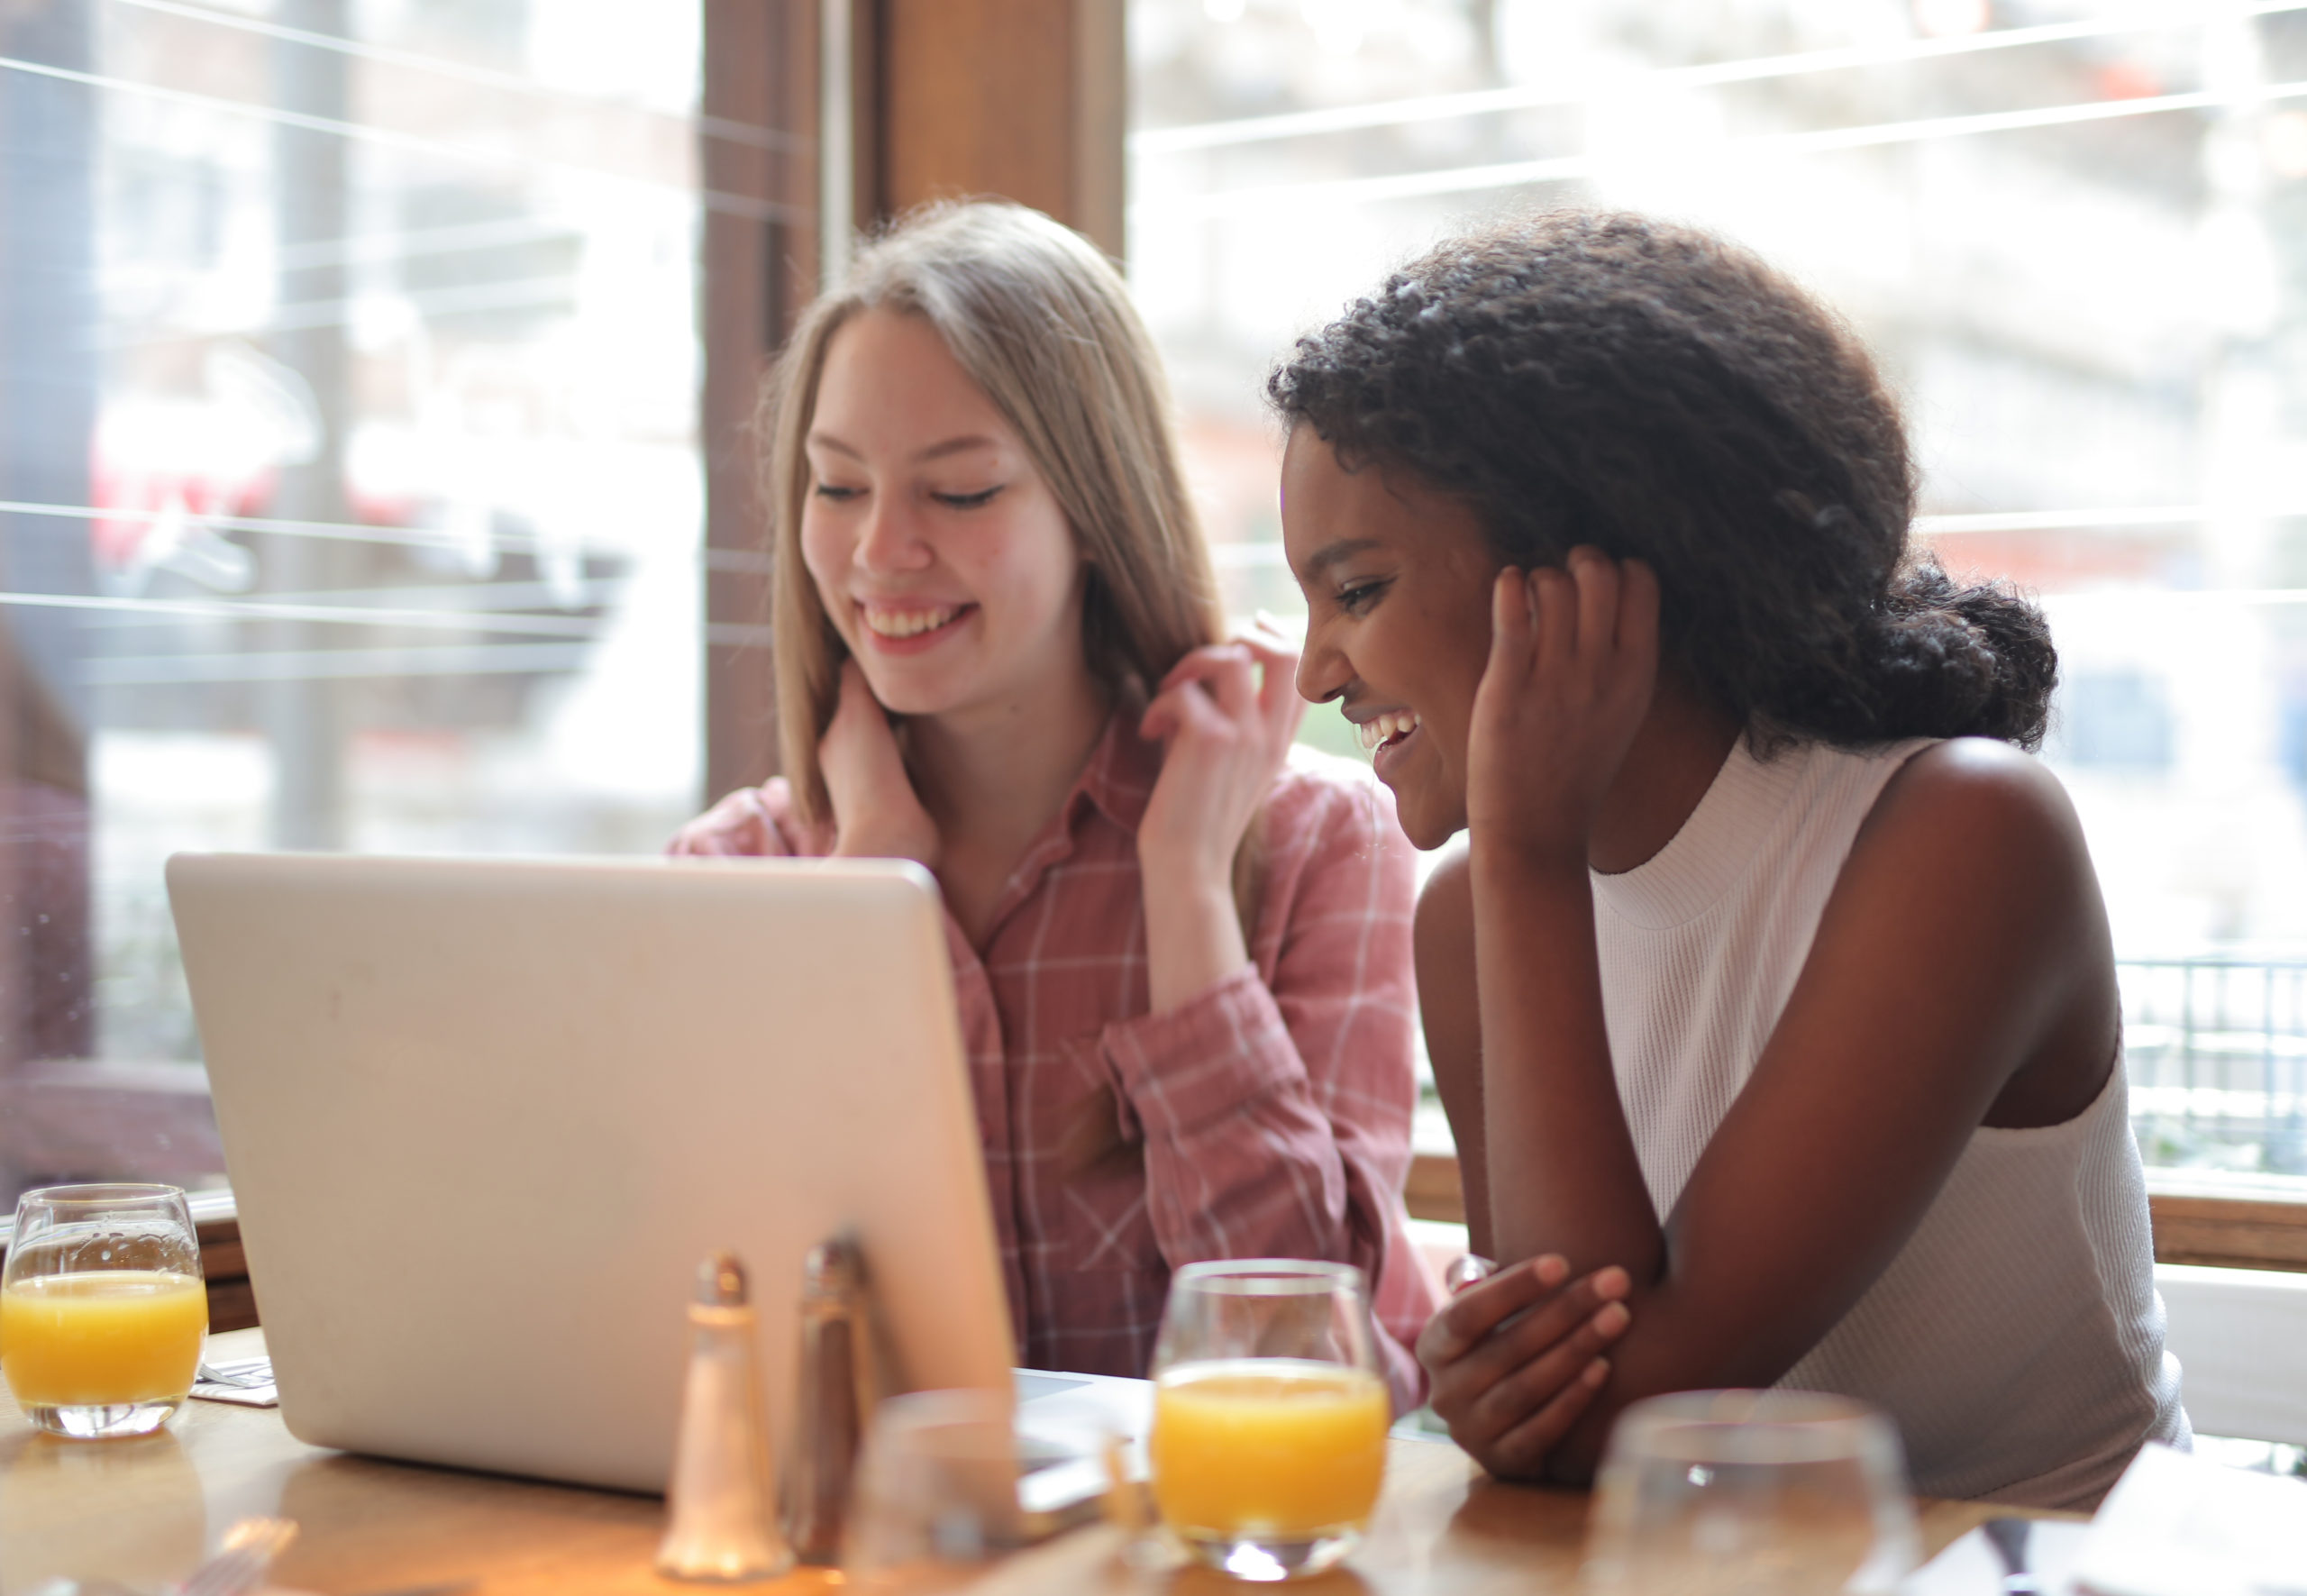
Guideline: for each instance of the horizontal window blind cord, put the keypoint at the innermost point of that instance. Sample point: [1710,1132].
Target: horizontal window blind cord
[258,609]
[345,663]
[725,561]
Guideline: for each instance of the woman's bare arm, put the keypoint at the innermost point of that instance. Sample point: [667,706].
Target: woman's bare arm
[1443,946]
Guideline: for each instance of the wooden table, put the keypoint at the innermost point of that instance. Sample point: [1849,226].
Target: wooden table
[144,1512]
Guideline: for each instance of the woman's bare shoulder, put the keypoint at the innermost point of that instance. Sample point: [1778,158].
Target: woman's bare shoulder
[1443,929]
[1975,799]
[1975,867]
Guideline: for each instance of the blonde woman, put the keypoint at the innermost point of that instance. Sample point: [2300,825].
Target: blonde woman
[1182,953]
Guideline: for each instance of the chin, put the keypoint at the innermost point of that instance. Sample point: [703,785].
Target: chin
[1429,818]
[904,692]
[908,698]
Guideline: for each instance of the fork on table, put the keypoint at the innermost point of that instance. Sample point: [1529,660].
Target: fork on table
[239,1566]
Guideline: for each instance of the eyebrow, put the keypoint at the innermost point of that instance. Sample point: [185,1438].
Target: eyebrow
[1338,553]
[968,441]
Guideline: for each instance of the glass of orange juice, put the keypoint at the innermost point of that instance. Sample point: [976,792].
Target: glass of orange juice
[1270,1416]
[103,1310]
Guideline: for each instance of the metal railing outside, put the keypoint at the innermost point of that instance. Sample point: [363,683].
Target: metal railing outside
[2217,1053]
[2216,1048]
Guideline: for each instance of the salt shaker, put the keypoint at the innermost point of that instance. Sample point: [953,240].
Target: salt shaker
[835,1393]
[722,1527]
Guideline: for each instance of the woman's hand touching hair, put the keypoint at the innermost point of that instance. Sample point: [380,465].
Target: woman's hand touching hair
[1573,661]
[1226,730]
[877,813]
[1224,736]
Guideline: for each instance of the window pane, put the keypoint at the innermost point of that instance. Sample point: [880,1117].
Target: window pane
[349,491]
[2076,234]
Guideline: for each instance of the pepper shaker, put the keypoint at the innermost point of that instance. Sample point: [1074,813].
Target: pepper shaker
[835,1393]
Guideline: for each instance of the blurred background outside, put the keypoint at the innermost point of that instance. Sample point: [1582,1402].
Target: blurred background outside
[351,494]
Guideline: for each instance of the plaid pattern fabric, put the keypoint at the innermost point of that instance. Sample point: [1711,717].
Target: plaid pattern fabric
[1268,1117]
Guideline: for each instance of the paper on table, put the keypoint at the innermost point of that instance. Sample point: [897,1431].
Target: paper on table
[248,1383]
[2178,1525]
[246,1396]
[1970,1566]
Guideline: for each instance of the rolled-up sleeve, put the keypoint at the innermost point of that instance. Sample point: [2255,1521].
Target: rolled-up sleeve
[1274,1107]
[750,823]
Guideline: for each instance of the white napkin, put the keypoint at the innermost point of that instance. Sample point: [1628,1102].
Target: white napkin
[2178,1525]
[249,1385]
[1969,1565]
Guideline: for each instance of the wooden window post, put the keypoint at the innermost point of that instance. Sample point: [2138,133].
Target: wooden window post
[1022,99]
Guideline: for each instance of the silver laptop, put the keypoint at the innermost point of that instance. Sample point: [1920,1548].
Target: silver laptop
[484,1119]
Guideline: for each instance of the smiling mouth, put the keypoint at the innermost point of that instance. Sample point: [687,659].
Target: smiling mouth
[900,624]
[1384,731]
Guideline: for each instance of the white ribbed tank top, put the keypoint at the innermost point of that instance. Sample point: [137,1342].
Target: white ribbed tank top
[2017,1337]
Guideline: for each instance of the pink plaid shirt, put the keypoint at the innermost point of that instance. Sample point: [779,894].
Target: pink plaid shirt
[1267,1116]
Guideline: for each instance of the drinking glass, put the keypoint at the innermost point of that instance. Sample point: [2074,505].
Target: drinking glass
[103,1310]
[1270,1417]
[935,1500]
[1723,1493]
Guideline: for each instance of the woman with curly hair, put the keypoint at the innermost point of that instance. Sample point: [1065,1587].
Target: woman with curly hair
[1772,997]
[1180,949]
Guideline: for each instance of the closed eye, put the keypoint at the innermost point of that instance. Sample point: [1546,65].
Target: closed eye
[838,495]
[968,501]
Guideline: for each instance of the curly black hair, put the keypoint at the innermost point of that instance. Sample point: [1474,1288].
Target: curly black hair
[1585,377]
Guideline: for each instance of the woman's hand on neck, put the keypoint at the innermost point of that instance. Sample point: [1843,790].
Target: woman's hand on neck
[877,814]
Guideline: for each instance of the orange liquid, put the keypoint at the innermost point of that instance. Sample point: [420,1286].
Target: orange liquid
[1268,1446]
[103,1338]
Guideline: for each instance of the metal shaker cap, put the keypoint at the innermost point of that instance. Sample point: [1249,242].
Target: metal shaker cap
[833,1268]
[721,1282]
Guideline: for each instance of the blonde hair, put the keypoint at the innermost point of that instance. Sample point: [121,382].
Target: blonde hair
[1043,324]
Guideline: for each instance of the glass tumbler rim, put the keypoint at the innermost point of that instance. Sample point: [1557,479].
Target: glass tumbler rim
[100,1194]
[957,1404]
[1747,1425]
[951,1423]
[1269,1277]
[1754,1405]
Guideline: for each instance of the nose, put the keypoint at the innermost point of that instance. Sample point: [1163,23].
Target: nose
[1323,669]
[888,541]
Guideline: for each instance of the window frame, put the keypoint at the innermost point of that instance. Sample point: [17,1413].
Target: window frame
[1022,99]
[2193,1222]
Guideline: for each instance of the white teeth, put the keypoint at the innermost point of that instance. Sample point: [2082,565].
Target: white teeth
[1386,727]
[909,623]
